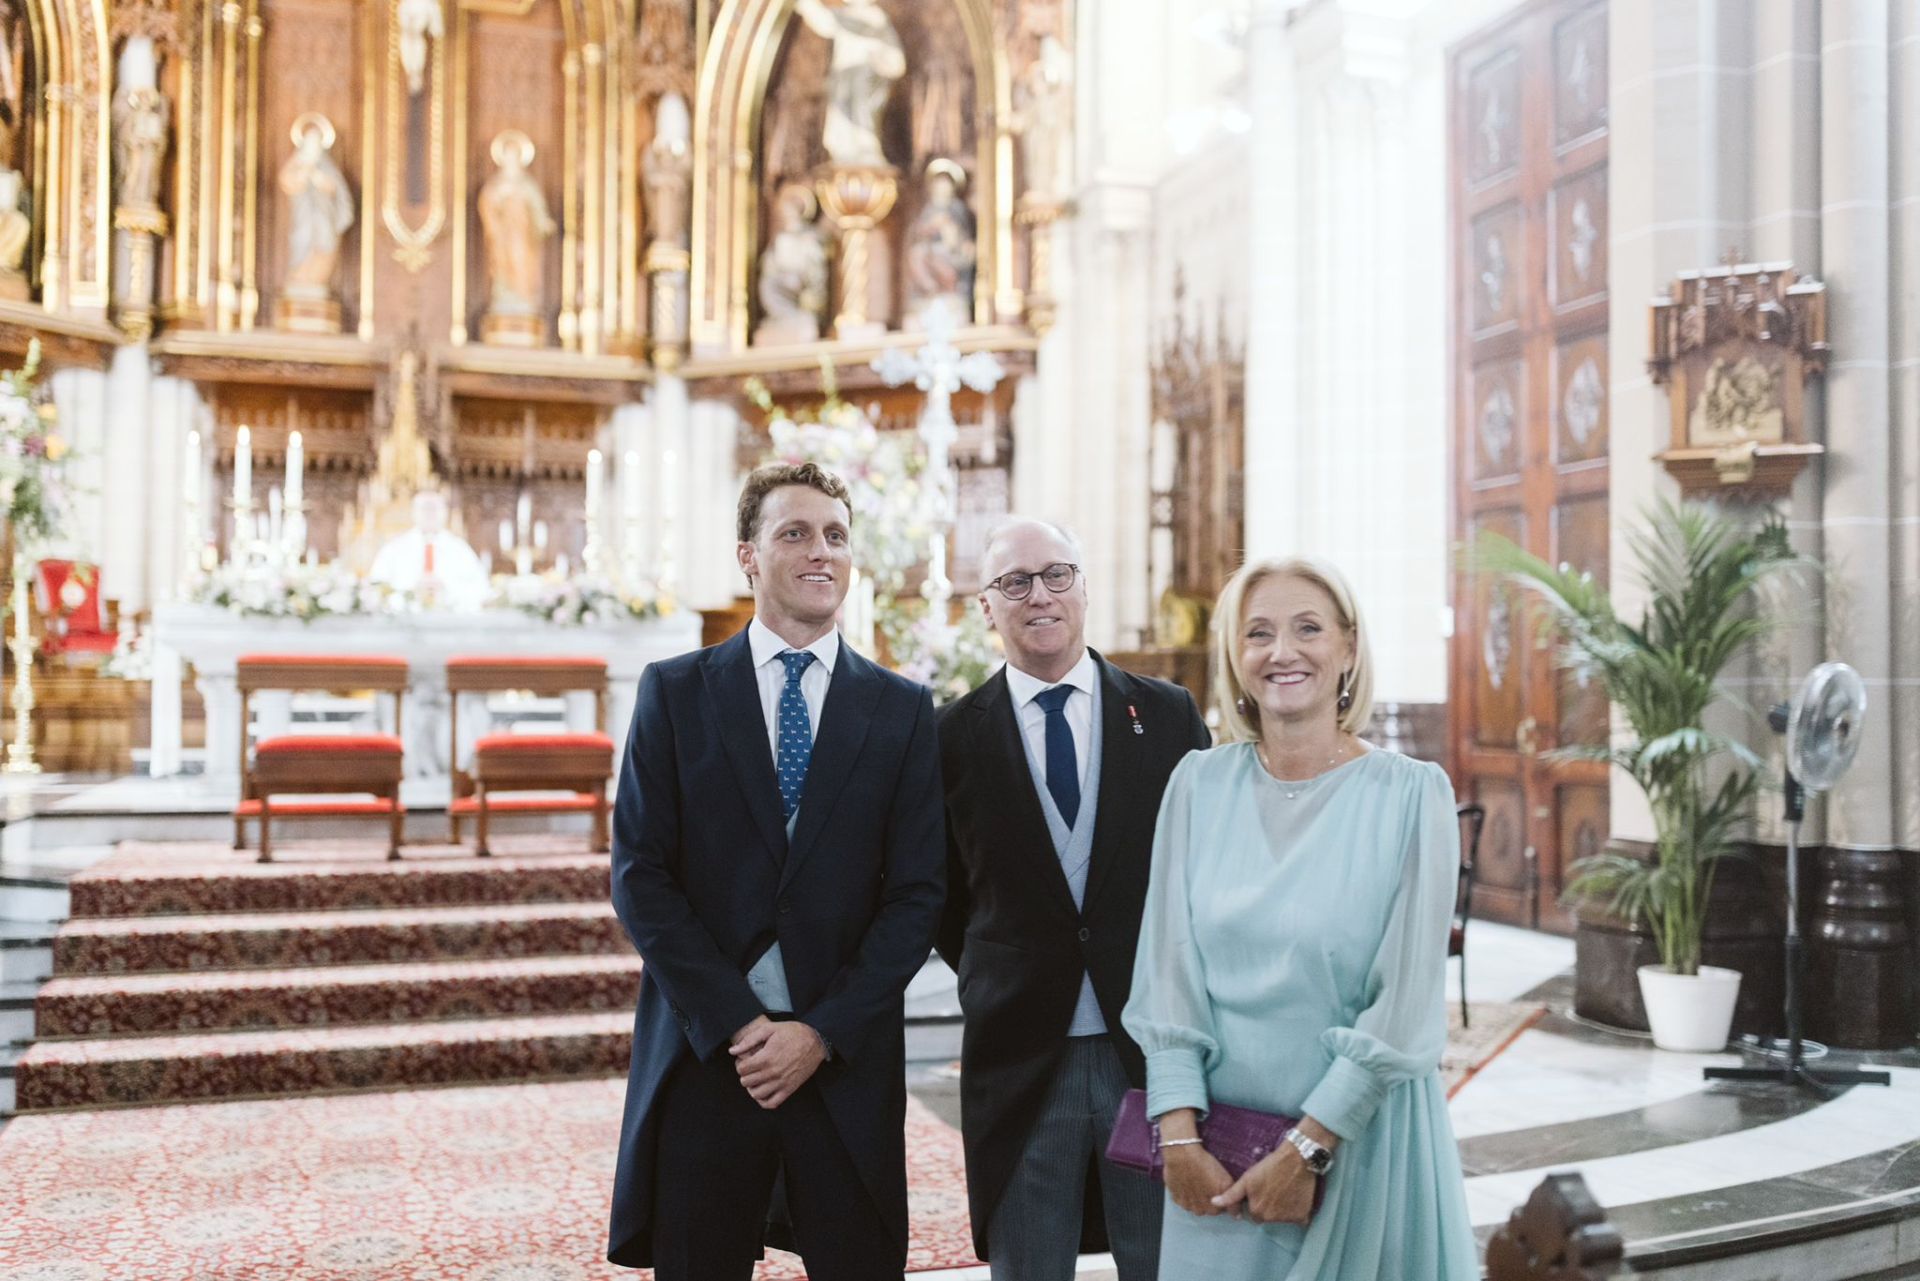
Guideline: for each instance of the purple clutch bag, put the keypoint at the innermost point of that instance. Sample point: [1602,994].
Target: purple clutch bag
[1235,1137]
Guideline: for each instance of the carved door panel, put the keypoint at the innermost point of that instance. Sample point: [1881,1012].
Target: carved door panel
[1528,117]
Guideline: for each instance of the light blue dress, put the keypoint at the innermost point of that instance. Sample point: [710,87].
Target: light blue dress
[1293,959]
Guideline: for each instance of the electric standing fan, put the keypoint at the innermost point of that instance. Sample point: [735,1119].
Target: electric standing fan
[1823,733]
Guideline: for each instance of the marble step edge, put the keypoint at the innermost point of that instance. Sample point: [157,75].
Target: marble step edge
[334,996]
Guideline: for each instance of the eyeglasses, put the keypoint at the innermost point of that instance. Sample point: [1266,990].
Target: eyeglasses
[1017,586]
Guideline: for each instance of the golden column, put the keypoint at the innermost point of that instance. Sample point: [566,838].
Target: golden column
[858,198]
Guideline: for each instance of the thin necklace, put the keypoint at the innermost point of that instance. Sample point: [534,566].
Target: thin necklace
[1261,750]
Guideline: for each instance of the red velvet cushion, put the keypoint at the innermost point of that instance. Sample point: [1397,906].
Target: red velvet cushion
[333,744]
[318,809]
[541,742]
[89,642]
[519,660]
[325,660]
[498,804]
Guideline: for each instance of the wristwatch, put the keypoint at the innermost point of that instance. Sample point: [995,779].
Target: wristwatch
[1319,1159]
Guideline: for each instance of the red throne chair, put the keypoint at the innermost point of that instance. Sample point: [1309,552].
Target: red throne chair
[305,764]
[68,599]
[578,764]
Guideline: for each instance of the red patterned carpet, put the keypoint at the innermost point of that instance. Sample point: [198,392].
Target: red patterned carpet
[501,1183]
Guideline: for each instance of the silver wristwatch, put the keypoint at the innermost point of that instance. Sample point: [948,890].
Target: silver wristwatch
[1319,1159]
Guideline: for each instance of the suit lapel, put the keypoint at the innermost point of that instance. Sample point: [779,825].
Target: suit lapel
[1120,753]
[844,719]
[743,733]
[1009,777]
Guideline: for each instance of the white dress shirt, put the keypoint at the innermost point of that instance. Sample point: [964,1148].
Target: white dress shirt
[1079,711]
[771,673]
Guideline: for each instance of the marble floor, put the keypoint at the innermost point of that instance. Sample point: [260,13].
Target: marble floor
[1688,1170]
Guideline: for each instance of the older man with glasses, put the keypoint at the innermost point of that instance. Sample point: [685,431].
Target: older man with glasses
[1053,770]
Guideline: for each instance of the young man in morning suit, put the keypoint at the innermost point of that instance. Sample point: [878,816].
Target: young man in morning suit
[1054,770]
[778,860]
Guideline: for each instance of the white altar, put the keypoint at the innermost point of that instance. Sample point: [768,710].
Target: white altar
[213,639]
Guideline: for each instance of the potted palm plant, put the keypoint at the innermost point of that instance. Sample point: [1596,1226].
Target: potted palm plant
[1702,569]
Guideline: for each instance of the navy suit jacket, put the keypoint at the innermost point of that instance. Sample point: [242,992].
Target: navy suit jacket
[704,882]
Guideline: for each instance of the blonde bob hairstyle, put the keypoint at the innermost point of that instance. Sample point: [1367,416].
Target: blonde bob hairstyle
[1229,617]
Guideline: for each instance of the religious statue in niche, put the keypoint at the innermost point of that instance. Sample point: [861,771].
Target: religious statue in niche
[793,272]
[867,59]
[16,220]
[421,22]
[320,210]
[940,251]
[667,170]
[1042,107]
[796,113]
[140,114]
[517,223]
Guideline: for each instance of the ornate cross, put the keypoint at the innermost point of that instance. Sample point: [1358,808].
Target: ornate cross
[939,370]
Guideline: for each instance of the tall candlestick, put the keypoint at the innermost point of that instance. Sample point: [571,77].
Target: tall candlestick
[523,517]
[596,485]
[296,464]
[243,468]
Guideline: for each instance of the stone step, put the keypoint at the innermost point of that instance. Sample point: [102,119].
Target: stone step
[129,1071]
[152,880]
[291,939]
[233,1000]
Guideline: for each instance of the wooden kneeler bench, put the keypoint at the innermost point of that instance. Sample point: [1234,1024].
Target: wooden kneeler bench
[579,763]
[304,764]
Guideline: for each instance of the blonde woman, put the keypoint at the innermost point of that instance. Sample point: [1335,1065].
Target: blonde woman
[1292,961]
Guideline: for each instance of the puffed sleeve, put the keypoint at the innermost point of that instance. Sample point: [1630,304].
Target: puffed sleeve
[1402,1030]
[1168,1012]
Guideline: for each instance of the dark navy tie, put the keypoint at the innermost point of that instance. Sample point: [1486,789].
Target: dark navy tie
[796,734]
[1063,764]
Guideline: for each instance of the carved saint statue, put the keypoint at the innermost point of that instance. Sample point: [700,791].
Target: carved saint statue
[940,252]
[793,271]
[319,204]
[421,23]
[140,115]
[16,228]
[1042,110]
[667,171]
[514,216]
[940,98]
[867,59]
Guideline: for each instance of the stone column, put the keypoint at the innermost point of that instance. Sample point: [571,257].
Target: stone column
[1273,528]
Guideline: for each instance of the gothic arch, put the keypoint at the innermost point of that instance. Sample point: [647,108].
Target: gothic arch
[732,90]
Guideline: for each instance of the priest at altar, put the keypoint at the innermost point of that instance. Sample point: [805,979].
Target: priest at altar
[429,562]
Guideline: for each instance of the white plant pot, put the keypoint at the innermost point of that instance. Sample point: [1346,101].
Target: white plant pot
[1689,1012]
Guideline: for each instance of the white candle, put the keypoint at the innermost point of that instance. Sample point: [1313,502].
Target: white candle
[540,535]
[506,535]
[596,481]
[630,486]
[243,468]
[190,478]
[296,464]
[523,516]
[274,511]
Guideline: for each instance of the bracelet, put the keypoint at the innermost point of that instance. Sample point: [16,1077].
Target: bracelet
[1180,1143]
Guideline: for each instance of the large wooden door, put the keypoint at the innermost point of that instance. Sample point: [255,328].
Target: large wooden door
[1529,225]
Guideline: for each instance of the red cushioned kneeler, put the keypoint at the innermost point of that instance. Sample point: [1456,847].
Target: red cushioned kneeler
[579,764]
[370,765]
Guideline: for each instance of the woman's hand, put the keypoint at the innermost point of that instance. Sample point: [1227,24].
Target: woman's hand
[1195,1179]
[1278,1190]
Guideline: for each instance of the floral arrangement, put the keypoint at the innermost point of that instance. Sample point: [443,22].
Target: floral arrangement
[299,590]
[33,489]
[132,657]
[579,600]
[950,658]
[882,473]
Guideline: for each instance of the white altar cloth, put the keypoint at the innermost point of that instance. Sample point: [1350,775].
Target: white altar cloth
[213,639]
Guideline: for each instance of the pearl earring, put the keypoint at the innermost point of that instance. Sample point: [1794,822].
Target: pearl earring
[1346,691]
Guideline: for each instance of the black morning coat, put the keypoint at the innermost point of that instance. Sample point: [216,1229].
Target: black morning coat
[704,882]
[1010,929]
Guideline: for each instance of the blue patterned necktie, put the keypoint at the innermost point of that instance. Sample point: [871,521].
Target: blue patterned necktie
[1063,763]
[796,734]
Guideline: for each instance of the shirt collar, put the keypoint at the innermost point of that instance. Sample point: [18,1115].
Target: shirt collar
[1025,688]
[767,647]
